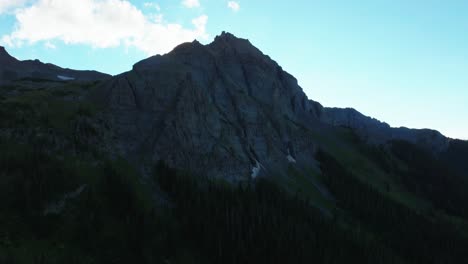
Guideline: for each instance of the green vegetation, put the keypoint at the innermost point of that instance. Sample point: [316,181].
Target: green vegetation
[394,203]
[42,108]
[116,220]
[96,225]
[430,178]
[410,233]
[370,164]
[455,156]
[306,184]
[258,223]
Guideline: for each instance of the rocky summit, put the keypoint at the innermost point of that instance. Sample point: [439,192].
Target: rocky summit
[225,109]
[228,110]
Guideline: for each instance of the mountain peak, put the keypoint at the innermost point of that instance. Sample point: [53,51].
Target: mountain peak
[3,52]
[230,43]
[227,37]
[5,57]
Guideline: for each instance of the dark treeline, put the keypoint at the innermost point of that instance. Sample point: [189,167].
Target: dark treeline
[109,222]
[432,179]
[411,234]
[441,179]
[258,223]
[456,156]
[200,220]
[203,221]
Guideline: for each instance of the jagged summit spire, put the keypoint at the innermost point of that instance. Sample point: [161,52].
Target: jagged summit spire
[227,37]
[225,43]
[228,41]
[225,34]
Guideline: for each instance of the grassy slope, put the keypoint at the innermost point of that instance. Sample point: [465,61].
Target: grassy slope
[54,107]
[362,163]
[344,147]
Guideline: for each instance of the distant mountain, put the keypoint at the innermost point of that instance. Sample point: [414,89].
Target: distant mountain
[376,132]
[12,69]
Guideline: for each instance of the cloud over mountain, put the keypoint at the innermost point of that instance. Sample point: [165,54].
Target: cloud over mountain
[7,5]
[101,24]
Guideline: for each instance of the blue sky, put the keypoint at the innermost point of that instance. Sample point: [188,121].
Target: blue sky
[403,62]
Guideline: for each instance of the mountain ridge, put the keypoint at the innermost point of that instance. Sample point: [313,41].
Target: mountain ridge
[228,100]
[12,69]
[224,62]
[377,132]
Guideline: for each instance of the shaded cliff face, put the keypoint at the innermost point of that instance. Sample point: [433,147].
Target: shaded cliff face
[12,69]
[224,109]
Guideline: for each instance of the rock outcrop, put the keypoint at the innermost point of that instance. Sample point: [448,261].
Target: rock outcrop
[224,109]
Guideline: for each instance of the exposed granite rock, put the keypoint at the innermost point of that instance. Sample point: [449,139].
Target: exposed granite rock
[225,109]
[222,109]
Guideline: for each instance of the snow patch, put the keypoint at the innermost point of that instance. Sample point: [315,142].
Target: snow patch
[290,158]
[57,207]
[65,78]
[256,170]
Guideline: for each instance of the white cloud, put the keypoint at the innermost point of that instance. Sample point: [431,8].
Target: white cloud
[157,18]
[235,6]
[101,24]
[191,3]
[152,5]
[7,5]
[161,38]
[49,45]
[6,40]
